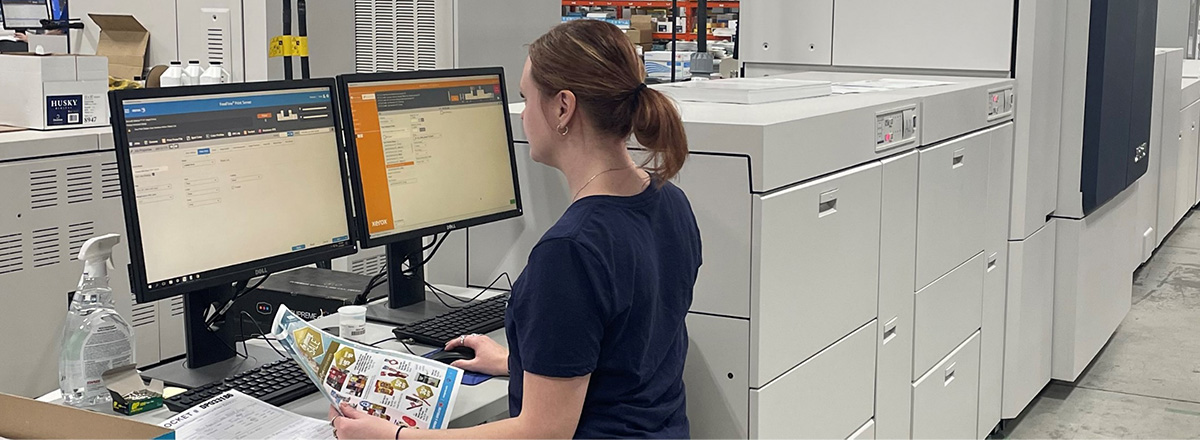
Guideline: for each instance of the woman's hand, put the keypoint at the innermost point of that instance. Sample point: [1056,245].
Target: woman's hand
[490,358]
[356,424]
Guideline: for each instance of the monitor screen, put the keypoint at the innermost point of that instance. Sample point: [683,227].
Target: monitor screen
[24,14]
[431,152]
[230,179]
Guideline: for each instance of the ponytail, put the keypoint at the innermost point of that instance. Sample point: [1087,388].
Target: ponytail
[657,126]
[596,62]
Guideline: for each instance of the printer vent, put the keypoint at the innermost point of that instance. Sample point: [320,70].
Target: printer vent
[46,249]
[11,249]
[110,181]
[77,234]
[43,189]
[177,306]
[395,35]
[80,184]
[368,265]
[143,314]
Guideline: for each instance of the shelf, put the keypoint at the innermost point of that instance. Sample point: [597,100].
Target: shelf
[647,4]
[686,37]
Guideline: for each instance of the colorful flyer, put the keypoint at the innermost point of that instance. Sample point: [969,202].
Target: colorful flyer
[393,386]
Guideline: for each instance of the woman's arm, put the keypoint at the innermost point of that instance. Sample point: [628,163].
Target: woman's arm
[551,408]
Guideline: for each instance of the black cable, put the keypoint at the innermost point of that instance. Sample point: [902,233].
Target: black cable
[437,293]
[481,292]
[241,289]
[287,32]
[302,12]
[263,334]
[378,279]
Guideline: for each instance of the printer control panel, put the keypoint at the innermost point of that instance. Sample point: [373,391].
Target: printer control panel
[1000,103]
[895,128]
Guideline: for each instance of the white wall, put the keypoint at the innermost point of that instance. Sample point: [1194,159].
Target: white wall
[929,34]
[1172,23]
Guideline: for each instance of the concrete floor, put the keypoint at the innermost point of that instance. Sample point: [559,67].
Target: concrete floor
[1146,382]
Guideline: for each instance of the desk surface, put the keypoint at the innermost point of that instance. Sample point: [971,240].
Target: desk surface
[476,404]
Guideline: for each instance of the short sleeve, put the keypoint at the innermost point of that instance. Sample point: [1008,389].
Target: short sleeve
[559,310]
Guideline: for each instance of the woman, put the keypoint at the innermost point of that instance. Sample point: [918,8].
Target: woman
[595,324]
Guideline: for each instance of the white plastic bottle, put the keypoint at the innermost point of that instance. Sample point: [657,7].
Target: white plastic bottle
[215,74]
[173,76]
[96,338]
[191,74]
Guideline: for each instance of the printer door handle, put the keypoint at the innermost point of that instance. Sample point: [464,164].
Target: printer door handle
[827,203]
[950,374]
[959,158]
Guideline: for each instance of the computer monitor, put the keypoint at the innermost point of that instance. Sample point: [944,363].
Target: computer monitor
[224,183]
[430,152]
[59,10]
[19,15]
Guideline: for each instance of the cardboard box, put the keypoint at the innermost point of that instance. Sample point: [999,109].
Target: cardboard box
[124,41]
[644,22]
[51,92]
[640,36]
[26,418]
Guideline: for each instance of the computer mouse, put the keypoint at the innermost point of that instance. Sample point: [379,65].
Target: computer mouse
[456,354]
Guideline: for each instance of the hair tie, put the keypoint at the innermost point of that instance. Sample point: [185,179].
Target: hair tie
[637,93]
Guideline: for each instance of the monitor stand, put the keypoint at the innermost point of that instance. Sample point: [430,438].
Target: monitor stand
[406,302]
[210,355]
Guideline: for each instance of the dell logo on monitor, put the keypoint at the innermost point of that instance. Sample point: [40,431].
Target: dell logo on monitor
[260,271]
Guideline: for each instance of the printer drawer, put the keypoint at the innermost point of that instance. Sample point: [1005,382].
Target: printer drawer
[947,312]
[946,398]
[827,396]
[818,267]
[951,205]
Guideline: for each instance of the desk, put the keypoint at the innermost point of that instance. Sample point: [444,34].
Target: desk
[476,404]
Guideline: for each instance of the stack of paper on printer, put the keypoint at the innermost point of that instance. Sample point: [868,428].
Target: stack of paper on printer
[746,90]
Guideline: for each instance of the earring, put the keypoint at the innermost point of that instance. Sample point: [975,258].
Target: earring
[563,130]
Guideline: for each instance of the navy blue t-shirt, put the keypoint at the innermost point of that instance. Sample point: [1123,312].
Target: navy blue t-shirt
[605,292]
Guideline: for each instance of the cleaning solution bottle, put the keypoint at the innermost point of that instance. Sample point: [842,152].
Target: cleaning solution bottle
[215,74]
[96,338]
[173,76]
[191,73]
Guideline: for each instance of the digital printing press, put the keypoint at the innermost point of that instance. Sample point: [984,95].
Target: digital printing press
[845,282]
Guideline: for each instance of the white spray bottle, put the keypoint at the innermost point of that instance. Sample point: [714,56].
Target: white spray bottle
[96,338]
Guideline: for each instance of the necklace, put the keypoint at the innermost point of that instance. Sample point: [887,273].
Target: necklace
[589,182]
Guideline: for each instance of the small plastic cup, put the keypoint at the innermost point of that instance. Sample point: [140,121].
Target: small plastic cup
[352,322]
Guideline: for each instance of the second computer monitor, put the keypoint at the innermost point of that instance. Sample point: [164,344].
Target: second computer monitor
[431,151]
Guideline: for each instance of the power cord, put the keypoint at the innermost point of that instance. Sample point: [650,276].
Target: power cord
[380,277]
[242,290]
[402,341]
[439,292]
[261,334]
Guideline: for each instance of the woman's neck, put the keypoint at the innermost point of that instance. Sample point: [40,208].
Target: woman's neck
[603,169]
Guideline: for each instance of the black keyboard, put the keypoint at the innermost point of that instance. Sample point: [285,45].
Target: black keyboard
[276,383]
[479,317]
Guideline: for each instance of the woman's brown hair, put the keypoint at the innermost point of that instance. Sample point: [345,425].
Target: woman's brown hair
[595,61]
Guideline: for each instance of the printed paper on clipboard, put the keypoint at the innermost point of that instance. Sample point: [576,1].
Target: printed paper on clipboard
[396,387]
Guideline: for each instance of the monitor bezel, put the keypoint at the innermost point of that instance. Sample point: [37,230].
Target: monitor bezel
[229,274]
[361,221]
[4,21]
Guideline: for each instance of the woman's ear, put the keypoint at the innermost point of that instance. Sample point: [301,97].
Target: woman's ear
[567,105]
